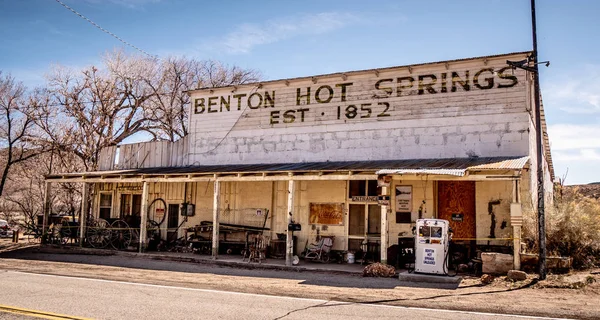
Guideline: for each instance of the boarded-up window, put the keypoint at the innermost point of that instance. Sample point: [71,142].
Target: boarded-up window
[357,220]
[327,213]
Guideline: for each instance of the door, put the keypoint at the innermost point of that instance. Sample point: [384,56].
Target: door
[458,198]
[172,222]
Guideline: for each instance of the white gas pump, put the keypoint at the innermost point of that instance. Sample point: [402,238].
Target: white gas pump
[432,240]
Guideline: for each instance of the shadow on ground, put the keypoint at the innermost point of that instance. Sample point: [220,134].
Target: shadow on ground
[316,278]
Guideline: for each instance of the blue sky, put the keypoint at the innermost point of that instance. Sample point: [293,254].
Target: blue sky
[299,38]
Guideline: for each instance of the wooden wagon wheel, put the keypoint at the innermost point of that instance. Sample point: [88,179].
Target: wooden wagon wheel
[121,235]
[99,234]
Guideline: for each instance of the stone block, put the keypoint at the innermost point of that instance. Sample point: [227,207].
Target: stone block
[516,275]
[496,263]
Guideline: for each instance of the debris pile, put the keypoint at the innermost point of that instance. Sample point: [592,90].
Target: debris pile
[487,279]
[379,270]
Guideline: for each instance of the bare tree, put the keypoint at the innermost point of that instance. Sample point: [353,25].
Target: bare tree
[170,81]
[88,110]
[83,112]
[17,119]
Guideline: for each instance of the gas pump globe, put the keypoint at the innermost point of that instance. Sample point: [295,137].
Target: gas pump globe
[432,241]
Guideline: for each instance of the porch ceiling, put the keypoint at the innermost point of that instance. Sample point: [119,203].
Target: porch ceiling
[314,170]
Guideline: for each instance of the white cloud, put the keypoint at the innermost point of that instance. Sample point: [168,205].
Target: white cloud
[578,94]
[579,155]
[247,36]
[574,136]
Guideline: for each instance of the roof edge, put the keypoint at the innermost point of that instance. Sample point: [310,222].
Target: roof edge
[359,71]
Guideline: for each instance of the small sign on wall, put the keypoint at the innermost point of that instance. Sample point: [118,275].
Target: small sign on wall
[403,198]
[457,217]
[364,199]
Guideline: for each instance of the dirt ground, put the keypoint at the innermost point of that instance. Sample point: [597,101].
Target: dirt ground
[576,295]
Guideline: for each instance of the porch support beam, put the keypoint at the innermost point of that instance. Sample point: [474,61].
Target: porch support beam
[84,211]
[516,221]
[384,226]
[144,217]
[216,212]
[47,207]
[289,256]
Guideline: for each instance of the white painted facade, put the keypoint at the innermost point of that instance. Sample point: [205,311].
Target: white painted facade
[395,122]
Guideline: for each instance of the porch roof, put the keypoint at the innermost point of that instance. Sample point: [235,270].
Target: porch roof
[457,167]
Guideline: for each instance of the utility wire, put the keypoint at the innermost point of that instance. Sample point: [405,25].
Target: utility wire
[104,30]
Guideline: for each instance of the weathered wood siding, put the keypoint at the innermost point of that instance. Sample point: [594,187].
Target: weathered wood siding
[145,155]
[431,119]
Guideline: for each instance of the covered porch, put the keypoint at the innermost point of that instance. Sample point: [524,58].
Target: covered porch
[367,207]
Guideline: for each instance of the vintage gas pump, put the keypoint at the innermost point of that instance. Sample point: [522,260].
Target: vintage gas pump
[432,242]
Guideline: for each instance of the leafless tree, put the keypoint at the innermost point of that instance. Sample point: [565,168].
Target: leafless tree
[170,81]
[17,119]
[94,108]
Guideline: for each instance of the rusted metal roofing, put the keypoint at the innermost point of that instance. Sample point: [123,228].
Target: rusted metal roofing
[516,164]
[451,166]
[443,172]
[488,164]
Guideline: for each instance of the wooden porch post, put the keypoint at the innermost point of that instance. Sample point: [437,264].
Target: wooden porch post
[47,207]
[384,227]
[289,252]
[516,221]
[144,217]
[216,213]
[84,211]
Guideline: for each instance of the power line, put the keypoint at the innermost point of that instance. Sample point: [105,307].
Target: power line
[104,30]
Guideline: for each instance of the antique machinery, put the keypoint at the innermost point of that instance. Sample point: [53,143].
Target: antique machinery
[432,242]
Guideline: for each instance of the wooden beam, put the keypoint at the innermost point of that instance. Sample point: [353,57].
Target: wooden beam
[384,228]
[144,217]
[47,206]
[84,211]
[216,212]
[289,256]
[265,177]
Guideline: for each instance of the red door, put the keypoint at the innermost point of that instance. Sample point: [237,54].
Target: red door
[458,198]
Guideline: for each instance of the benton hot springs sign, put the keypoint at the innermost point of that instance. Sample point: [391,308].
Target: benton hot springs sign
[392,113]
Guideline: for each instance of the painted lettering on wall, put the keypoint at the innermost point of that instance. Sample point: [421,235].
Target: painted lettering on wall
[338,95]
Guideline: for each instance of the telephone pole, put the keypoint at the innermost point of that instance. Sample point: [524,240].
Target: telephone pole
[539,153]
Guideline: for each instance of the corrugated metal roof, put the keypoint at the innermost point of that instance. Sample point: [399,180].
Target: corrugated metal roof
[516,164]
[447,172]
[448,166]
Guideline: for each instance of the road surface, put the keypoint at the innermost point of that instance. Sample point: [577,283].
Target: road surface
[76,298]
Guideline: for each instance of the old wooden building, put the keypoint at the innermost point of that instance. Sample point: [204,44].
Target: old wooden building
[452,139]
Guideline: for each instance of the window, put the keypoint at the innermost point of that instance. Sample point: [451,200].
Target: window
[125,205]
[105,205]
[359,188]
[131,205]
[374,219]
[357,220]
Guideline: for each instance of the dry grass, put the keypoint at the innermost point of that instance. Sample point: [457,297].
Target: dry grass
[572,229]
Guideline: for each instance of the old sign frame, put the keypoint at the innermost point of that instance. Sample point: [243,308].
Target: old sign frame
[403,198]
[329,213]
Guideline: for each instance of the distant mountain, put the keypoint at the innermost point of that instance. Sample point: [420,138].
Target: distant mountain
[591,190]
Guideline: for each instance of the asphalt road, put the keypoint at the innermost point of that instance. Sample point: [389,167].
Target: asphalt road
[104,299]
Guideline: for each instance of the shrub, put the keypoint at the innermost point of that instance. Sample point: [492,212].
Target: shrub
[572,229]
